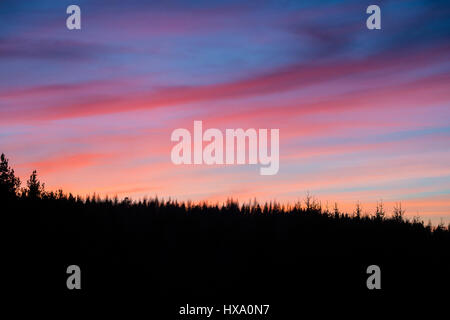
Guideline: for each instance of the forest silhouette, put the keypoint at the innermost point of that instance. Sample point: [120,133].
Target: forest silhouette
[183,249]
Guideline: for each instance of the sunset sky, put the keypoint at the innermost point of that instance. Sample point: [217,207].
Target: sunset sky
[363,114]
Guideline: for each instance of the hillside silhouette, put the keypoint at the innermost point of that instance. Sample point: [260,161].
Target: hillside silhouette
[171,249]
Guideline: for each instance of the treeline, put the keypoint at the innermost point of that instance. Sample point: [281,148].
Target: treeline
[166,248]
[10,190]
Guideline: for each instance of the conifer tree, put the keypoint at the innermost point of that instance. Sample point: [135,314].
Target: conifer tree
[9,183]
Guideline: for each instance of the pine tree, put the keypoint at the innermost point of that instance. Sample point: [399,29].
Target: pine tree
[34,187]
[398,212]
[336,211]
[358,210]
[9,183]
[379,214]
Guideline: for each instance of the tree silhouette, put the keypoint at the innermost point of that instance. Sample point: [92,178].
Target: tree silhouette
[336,211]
[358,210]
[9,183]
[398,212]
[379,214]
[34,187]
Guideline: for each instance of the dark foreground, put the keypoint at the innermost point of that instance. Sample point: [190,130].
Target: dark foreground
[167,255]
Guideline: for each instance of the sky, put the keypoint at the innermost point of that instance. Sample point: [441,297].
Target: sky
[364,115]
